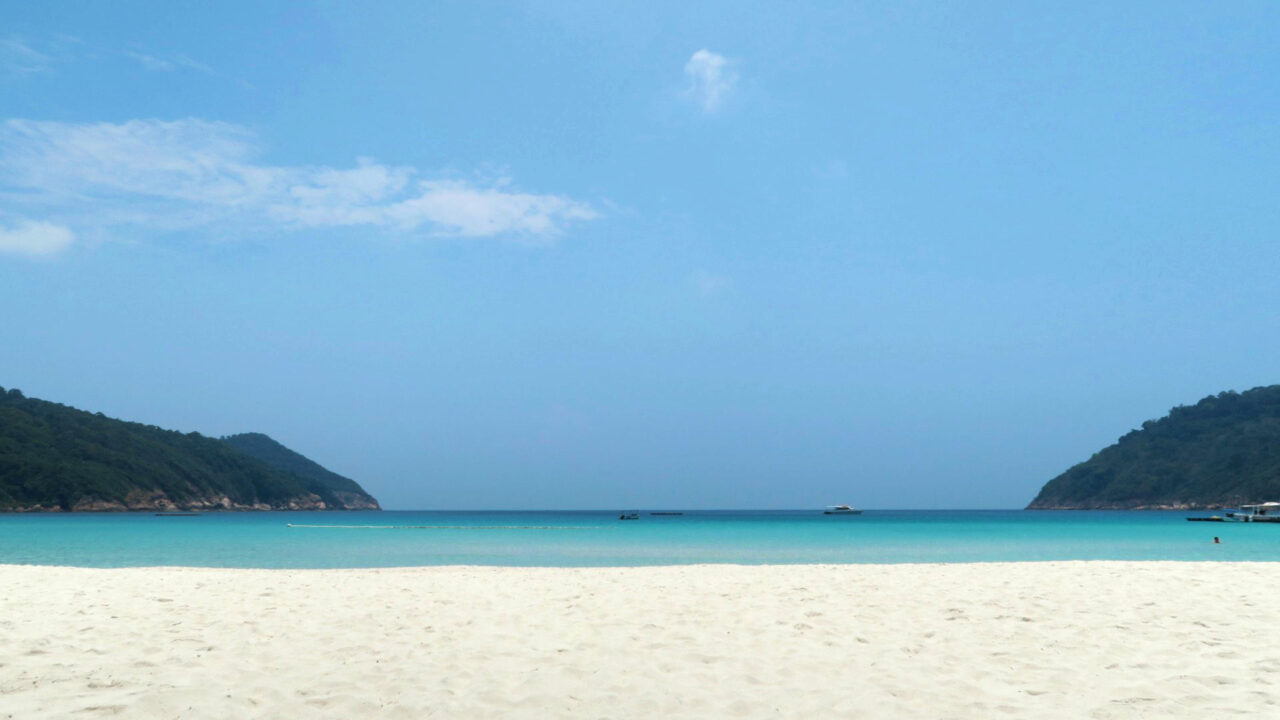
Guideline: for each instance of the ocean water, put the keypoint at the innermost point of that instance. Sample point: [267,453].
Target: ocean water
[584,539]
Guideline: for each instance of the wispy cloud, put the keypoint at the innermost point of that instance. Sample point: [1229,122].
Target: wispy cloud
[711,78]
[35,239]
[191,173]
[709,283]
[18,57]
[22,56]
[151,62]
[171,63]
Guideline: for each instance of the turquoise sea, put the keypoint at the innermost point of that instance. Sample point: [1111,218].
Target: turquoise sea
[580,539]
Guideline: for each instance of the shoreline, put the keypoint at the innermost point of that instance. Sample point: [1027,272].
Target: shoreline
[482,567]
[1042,639]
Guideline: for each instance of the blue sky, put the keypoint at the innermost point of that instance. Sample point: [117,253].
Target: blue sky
[593,255]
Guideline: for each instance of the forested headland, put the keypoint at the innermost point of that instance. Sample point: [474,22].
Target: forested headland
[58,458]
[1221,452]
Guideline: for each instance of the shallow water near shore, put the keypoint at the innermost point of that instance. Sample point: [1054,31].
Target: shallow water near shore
[592,539]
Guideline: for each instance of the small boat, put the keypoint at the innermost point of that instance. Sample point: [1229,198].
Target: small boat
[1211,518]
[629,516]
[841,510]
[1264,512]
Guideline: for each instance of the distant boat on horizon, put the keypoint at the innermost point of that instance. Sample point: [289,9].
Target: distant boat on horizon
[841,510]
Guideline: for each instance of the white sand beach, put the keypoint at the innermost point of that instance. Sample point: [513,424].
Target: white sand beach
[1020,640]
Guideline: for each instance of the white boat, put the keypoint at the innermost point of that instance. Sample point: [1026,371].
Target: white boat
[1264,512]
[841,510]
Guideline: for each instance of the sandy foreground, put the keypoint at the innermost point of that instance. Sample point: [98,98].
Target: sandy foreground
[1033,640]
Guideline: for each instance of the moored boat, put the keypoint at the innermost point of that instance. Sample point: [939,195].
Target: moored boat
[1263,512]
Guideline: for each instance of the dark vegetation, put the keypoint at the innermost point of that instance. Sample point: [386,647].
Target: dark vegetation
[1221,452]
[54,457]
[257,445]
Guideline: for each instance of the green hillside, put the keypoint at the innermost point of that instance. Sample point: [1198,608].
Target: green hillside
[269,451]
[1220,452]
[54,457]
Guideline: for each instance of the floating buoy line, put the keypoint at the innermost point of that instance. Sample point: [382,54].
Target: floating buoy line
[446,527]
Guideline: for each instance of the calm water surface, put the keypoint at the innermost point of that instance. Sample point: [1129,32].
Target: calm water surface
[580,539]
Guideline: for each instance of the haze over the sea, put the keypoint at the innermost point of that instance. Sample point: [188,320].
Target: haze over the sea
[644,254]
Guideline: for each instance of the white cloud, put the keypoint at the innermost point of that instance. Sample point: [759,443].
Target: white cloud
[472,211]
[193,173]
[711,78]
[35,238]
